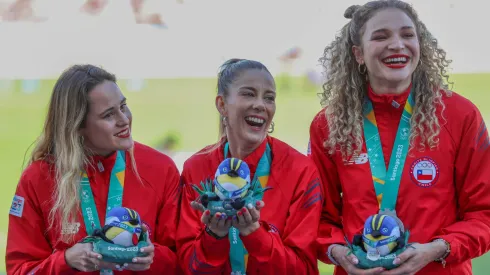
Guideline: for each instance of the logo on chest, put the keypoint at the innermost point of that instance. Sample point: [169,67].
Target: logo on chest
[70,228]
[357,159]
[424,172]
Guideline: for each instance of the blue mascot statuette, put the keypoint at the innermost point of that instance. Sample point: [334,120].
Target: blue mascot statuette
[383,238]
[231,188]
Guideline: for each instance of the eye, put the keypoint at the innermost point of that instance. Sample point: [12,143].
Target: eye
[270,98]
[109,115]
[379,37]
[123,107]
[408,35]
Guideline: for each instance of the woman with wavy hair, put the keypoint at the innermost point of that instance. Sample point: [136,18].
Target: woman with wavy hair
[87,136]
[391,136]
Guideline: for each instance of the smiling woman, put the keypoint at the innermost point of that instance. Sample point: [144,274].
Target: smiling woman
[86,140]
[393,140]
[275,236]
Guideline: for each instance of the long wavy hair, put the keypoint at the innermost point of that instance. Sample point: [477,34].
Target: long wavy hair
[345,88]
[60,142]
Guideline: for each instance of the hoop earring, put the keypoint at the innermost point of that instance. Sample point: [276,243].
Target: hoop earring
[359,68]
[271,128]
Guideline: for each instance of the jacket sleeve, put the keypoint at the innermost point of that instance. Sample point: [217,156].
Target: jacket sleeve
[330,230]
[294,251]
[198,252]
[28,250]
[470,236]
[165,259]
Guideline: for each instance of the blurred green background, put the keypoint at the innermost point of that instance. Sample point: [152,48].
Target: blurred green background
[182,108]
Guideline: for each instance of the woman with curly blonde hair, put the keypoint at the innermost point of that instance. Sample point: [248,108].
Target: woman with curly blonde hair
[392,138]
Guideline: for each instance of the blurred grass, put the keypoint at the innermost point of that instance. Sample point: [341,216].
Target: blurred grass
[183,106]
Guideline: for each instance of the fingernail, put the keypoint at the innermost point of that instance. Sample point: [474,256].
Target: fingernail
[239,213]
[229,218]
[244,210]
[250,206]
[135,260]
[207,212]
[234,217]
[99,256]
[355,260]
[396,261]
[223,216]
[257,203]
[118,266]
[218,216]
[142,250]
[125,264]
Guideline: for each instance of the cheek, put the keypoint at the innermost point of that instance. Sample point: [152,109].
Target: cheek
[271,109]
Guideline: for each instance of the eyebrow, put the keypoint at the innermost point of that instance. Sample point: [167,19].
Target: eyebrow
[112,108]
[248,88]
[386,30]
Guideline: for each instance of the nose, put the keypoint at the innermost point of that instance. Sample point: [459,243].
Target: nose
[396,44]
[123,119]
[259,105]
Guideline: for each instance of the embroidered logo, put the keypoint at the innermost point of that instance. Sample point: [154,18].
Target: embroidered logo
[70,228]
[424,172]
[17,206]
[273,228]
[357,159]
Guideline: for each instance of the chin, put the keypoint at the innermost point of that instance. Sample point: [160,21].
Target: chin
[254,138]
[125,144]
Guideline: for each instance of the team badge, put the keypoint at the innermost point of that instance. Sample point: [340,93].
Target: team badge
[424,172]
[17,206]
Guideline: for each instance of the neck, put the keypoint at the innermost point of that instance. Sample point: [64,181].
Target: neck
[241,151]
[380,87]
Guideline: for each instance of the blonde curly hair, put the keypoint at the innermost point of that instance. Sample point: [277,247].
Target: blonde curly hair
[345,89]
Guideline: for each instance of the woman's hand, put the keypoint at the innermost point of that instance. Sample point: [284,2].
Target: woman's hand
[247,219]
[81,257]
[219,224]
[416,257]
[349,262]
[142,263]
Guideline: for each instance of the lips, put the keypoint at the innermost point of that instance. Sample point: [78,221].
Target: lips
[124,133]
[396,61]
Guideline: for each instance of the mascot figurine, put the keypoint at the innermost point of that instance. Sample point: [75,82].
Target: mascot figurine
[383,239]
[121,238]
[231,188]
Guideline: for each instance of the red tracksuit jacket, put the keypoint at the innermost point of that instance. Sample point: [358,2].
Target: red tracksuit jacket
[285,242]
[30,249]
[449,199]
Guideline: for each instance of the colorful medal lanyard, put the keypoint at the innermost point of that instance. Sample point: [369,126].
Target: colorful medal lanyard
[238,253]
[387,182]
[114,199]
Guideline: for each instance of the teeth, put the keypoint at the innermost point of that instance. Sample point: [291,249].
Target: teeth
[256,120]
[123,133]
[394,60]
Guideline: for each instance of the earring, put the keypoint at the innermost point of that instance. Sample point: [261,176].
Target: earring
[271,128]
[223,118]
[360,66]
